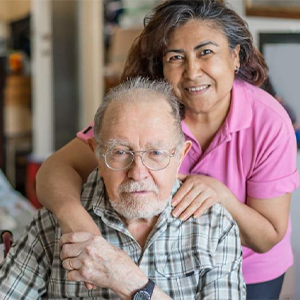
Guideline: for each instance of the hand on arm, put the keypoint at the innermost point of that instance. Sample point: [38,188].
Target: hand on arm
[262,222]
[97,262]
[59,183]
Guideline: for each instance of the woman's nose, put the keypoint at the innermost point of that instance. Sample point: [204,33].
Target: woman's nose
[193,69]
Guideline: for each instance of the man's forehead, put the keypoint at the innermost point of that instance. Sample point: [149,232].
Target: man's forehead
[125,142]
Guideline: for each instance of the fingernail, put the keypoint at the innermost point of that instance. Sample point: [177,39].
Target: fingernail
[175,214]
[174,202]
[183,218]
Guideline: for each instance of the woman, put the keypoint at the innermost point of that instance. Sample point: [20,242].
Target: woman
[244,148]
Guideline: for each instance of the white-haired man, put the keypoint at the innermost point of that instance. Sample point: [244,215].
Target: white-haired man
[144,252]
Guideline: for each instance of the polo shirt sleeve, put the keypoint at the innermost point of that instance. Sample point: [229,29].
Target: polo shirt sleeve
[86,133]
[274,170]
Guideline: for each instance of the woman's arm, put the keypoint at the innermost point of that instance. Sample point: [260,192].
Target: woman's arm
[262,222]
[59,182]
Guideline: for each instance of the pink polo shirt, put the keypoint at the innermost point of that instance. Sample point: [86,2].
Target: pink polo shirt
[253,153]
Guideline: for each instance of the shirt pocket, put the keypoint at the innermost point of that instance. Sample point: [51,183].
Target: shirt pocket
[179,273]
[181,264]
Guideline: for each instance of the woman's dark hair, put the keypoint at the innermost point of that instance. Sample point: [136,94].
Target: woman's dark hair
[146,55]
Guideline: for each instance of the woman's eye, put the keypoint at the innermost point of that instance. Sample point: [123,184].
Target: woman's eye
[175,58]
[205,52]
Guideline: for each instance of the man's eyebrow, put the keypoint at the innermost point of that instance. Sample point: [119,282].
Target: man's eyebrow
[195,48]
[111,143]
[157,145]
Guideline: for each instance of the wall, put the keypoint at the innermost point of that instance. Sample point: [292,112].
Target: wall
[291,289]
[91,65]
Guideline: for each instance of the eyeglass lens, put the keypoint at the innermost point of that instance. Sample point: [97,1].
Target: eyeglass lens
[121,159]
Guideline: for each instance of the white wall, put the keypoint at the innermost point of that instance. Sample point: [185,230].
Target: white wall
[42,82]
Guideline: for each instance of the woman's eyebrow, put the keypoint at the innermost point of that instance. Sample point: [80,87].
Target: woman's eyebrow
[181,51]
[174,50]
[205,44]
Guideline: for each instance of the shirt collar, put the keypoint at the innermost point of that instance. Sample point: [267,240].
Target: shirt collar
[240,113]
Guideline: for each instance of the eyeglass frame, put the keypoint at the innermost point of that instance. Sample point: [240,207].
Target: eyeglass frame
[142,152]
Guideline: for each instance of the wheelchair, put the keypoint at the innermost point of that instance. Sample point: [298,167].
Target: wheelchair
[6,238]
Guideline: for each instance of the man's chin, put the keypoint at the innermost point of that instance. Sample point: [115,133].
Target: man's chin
[138,209]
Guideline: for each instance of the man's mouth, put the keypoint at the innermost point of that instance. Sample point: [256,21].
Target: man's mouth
[140,192]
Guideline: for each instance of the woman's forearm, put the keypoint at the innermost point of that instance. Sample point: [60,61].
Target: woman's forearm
[59,183]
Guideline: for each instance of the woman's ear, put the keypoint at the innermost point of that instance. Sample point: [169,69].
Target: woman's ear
[236,55]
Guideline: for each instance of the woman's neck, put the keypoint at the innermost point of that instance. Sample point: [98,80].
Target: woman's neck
[204,126]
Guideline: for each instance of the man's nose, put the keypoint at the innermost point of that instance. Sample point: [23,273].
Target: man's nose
[137,171]
[193,69]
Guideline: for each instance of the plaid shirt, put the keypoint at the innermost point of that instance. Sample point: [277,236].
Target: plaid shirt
[197,259]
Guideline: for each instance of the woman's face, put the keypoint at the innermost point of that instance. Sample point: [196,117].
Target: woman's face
[200,66]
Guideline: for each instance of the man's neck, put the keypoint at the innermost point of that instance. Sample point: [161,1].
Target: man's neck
[140,228]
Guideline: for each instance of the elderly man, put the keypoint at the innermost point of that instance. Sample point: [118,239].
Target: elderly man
[144,252]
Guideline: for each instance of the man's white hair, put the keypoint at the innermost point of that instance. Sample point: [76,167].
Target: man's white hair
[150,88]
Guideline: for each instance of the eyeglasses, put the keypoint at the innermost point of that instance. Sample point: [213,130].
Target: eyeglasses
[118,159]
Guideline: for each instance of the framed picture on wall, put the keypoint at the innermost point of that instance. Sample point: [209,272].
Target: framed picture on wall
[273,8]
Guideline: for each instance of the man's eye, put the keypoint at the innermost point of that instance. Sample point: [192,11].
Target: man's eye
[157,152]
[119,152]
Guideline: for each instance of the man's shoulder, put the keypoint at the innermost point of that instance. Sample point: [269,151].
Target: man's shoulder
[214,224]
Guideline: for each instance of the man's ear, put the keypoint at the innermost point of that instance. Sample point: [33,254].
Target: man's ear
[184,151]
[93,145]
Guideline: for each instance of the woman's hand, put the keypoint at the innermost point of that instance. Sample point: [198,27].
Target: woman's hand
[197,194]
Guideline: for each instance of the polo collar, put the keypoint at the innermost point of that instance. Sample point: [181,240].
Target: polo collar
[240,113]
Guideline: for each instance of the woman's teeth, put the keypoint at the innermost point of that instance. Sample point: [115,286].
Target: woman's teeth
[198,88]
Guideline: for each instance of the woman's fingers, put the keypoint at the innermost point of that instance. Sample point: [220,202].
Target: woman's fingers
[187,200]
[203,208]
[185,188]
[181,177]
[198,205]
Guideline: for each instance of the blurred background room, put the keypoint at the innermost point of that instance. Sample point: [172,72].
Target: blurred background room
[57,59]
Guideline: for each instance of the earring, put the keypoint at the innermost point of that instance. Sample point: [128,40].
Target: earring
[237,70]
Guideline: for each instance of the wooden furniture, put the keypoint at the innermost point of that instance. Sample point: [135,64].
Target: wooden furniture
[2,137]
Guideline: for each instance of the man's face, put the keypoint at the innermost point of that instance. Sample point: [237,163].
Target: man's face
[138,192]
